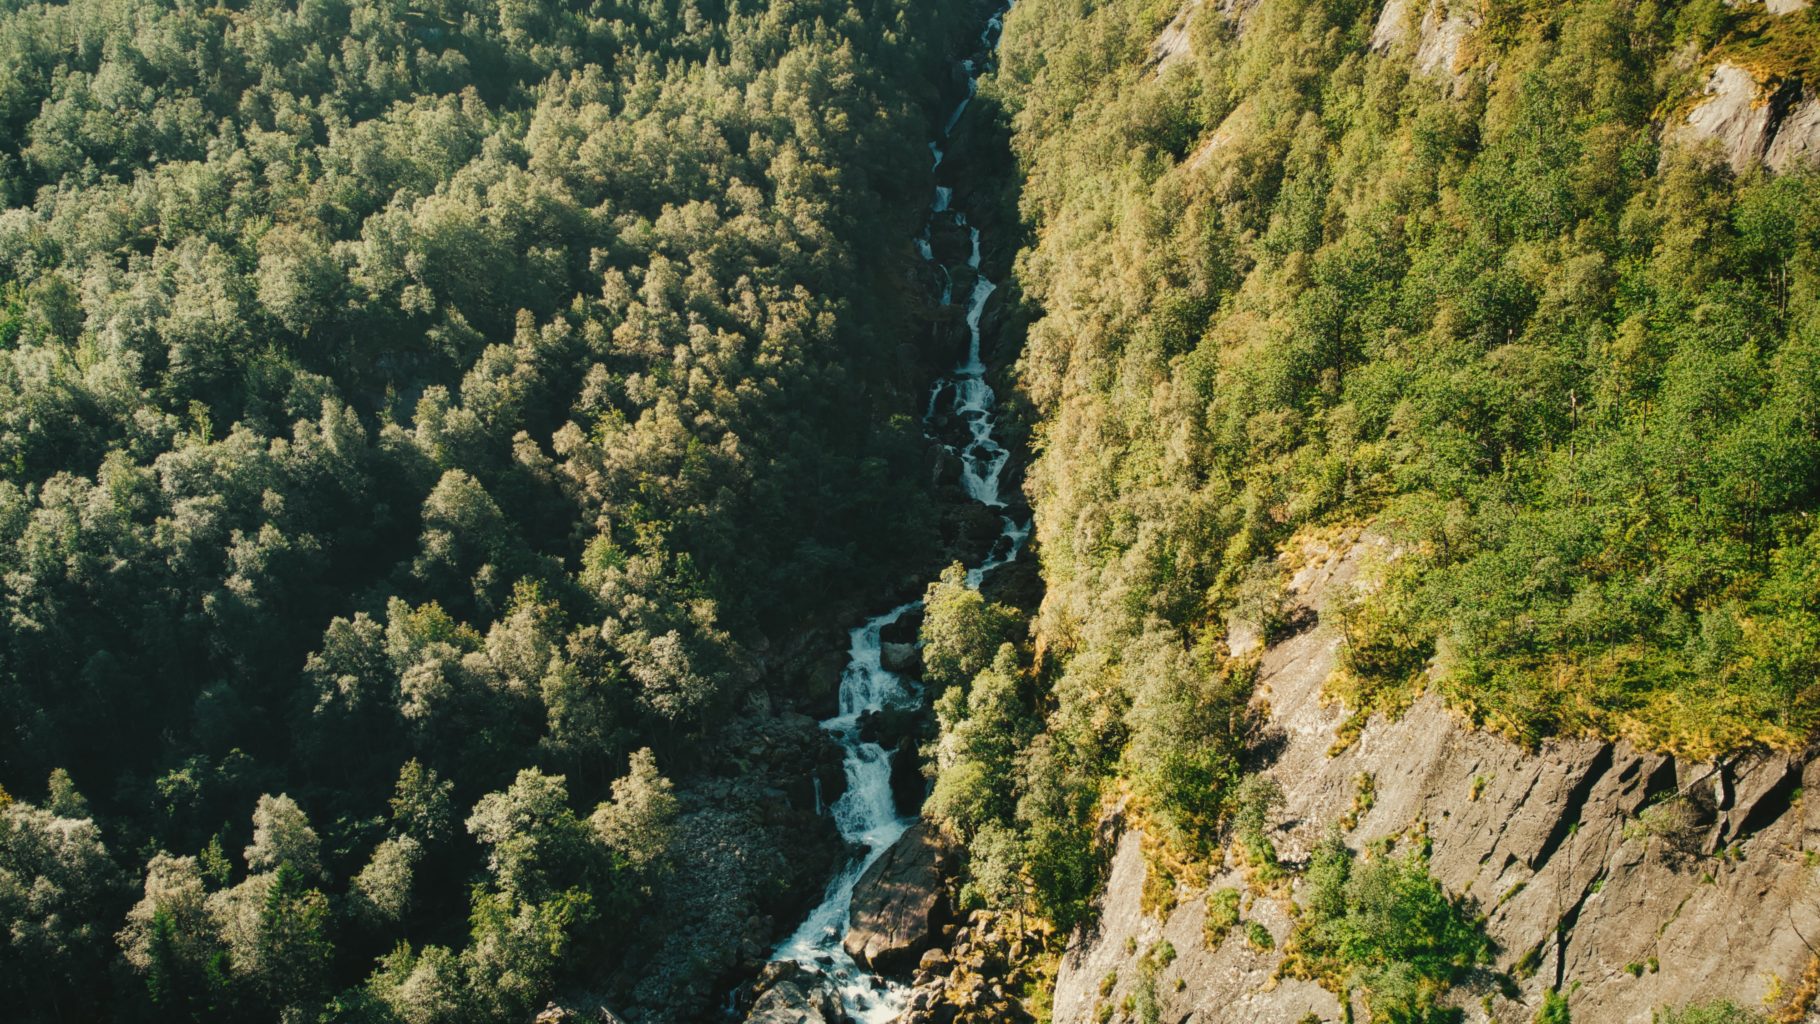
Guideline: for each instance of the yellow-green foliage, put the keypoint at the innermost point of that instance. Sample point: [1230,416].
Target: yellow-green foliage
[1222,916]
[1573,372]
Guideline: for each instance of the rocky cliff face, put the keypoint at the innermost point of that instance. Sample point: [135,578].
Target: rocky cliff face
[1708,895]
[1436,38]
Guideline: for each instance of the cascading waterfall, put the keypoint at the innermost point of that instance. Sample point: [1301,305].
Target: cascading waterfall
[865,814]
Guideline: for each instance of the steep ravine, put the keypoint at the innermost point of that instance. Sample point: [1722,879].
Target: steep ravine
[1579,896]
[818,973]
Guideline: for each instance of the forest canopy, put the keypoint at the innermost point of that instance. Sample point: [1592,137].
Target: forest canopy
[415,423]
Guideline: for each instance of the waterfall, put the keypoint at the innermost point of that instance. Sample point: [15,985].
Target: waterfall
[865,814]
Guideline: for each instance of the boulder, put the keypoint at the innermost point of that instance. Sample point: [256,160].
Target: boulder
[905,629]
[899,904]
[945,467]
[790,993]
[831,777]
[904,659]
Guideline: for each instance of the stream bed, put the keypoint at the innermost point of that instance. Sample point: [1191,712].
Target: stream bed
[865,814]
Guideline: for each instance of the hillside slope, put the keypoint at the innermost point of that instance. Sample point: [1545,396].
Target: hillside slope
[1527,292]
[1580,894]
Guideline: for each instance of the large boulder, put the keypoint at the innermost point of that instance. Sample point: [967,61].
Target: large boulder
[900,903]
[789,993]
[903,659]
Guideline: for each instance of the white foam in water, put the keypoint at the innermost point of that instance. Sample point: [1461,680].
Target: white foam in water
[865,814]
[973,86]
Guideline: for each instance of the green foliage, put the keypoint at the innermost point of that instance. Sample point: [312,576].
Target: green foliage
[293,949]
[1387,927]
[1291,284]
[1286,287]
[962,631]
[1720,1012]
[981,730]
[473,388]
[1553,1009]
[639,824]
[1187,724]
[1222,916]
[1258,937]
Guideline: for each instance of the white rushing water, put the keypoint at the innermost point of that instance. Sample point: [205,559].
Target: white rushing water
[865,814]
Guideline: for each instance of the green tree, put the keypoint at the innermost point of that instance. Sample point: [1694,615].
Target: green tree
[961,630]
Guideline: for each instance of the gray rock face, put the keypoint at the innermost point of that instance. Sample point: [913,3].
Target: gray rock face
[1631,912]
[1733,115]
[1437,38]
[1172,44]
[901,658]
[1797,139]
[1752,124]
[1392,27]
[790,993]
[898,903]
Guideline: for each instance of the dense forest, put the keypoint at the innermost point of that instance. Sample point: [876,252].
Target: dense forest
[433,440]
[1297,269]
[420,426]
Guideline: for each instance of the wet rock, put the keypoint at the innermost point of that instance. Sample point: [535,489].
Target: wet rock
[832,774]
[904,659]
[945,467]
[909,787]
[899,903]
[817,687]
[789,993]
[905,630]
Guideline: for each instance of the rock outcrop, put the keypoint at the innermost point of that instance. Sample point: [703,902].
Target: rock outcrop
[1174,43]
[1752,122]
[1735,114]
[789,993]
[976,980]
[1437,39]
[900,903]
[1708,895]
[1797,139]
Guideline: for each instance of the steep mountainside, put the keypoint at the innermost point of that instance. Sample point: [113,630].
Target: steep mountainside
[1631,880]
[1517,306]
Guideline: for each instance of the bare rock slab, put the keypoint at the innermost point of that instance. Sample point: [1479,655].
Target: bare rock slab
[899,903]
